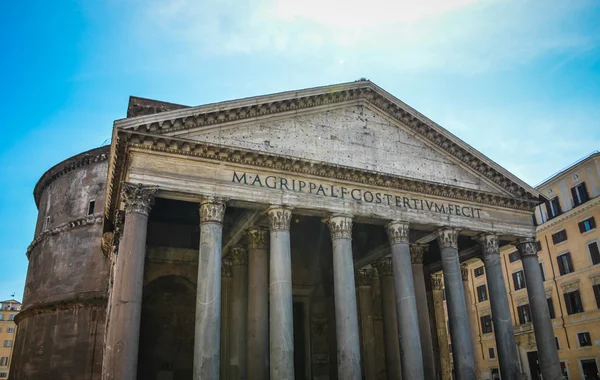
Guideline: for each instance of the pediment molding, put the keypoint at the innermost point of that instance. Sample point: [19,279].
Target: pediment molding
[174,122]
[124,140]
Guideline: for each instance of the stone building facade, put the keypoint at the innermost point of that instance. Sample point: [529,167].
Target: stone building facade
[568,242]
[8,331]
[282,236]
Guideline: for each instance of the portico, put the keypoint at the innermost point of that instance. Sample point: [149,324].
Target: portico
[298,192]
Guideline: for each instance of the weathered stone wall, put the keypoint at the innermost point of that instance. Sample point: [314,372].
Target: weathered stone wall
[61,327]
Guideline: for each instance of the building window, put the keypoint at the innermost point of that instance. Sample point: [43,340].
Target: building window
[587,225]
[514,256]
[551,307]
[491,353]
[565,373]
[559,237]
[573,302]
[542,272]
[518,280]
[580,194]
[594,252]
[565,264]
[482,293]
[478,271]
[495,372]
[597,295]
[7,343]
[10,330]
[553,208]
[11,317]
[524,314]
[91,206]
[486,324]
[1,317]
[556,341]
[584,339]
[4,361]
[3,375]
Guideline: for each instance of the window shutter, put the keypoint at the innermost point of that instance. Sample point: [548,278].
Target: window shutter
[568,304]
[571,267]
[593,222]
[549,210]
[575,197]
[577,298]
[594,252]
[561,267]
[584,193]
[557,205]
[581,227]
[514,276]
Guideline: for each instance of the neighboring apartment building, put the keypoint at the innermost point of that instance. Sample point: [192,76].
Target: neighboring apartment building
[569,244]
[8,330]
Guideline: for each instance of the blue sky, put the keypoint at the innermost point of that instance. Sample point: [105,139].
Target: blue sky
[519,81]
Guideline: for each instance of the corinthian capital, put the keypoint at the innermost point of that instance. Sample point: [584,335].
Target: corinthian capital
[226,268]
[257,238]
[397,232]
[212,210]
[416,253]
[279,218]
[527,247]
[448,237]
[340,226]
[364,277]
[384,266]
[239,255]
[437,281]
[488,244]
[138,198]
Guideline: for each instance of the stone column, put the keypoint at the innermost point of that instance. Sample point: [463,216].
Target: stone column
[225,317]
[346,318]
[239,311]
[503,327]
[542,324]
[207,338]
[364,279]
[125,308]
[437,284]
[281,324]
[460,332]
[258,305]
[473,322]
[390,325]
[406,305]
[416,258]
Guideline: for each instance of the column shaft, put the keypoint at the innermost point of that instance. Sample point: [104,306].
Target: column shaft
[406,305]
[281,325]
[390,324]
[207,339]
[542,324]
[364,279]
[440,321]
[460,332]
[125,309]
[239,310]
[416,255]
[225,317]
[346,317]
[503,327]
[473,322]
[258,306]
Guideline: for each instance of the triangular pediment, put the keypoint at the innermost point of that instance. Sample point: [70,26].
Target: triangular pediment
[356,125]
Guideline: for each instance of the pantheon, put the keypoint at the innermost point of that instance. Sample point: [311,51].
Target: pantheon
[299,235]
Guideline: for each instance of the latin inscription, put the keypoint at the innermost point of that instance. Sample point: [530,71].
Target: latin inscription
[358,195]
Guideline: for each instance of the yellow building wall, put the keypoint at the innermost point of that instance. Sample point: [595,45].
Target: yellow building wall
[6,324]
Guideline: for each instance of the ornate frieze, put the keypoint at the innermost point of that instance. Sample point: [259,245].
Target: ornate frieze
[364,277]
[527,247]
[448,237]
[239,255]
[364,91]
[340,226]
[416,253]
[397,232]
[64,227]
[138,198]
[437,281]
[226,268]
[258,238]
[488,244]
[280,218]
[384,267]
[212,210]
[464,272]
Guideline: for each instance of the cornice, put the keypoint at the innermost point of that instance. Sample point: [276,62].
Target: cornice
[86,158]
[124,140]
[562,218]
[77,303]
[361,91]
[64,227]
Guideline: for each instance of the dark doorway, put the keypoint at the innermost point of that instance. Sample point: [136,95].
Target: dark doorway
[590,369]
[534,365]
[300,343]
[166,344]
